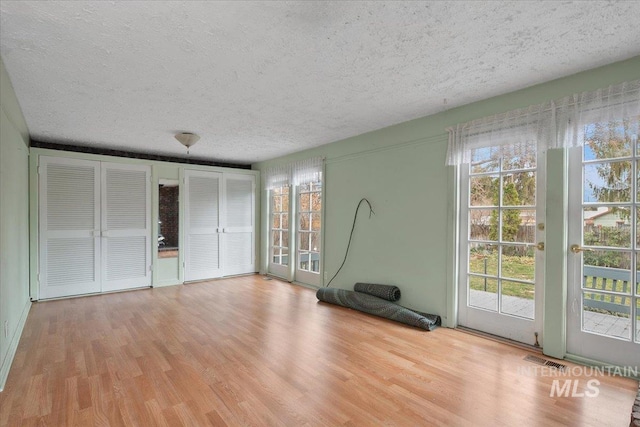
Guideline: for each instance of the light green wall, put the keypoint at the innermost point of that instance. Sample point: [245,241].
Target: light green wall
[412,240]
[14,229]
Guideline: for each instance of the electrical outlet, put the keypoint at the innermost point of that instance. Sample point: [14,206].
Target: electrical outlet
[6,329]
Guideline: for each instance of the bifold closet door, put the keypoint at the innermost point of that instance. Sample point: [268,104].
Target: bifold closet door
[95,231]
[126,227]
[238,237]
[69,227]
[203,192]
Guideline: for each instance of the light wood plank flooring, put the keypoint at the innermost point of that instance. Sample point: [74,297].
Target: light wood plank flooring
[248,351]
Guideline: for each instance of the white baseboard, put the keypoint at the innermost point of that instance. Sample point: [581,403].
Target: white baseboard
[629,372]
[306,285]
[13,346]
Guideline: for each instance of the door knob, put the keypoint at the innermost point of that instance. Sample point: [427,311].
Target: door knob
[540,246]
[577,249]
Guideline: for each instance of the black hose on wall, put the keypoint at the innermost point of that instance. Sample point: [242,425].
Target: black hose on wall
[378,307]
[388,292]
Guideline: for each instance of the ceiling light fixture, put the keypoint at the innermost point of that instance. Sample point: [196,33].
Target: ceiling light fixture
[187,139]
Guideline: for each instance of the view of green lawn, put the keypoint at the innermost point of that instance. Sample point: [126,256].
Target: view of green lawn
[514,267]
[520,268]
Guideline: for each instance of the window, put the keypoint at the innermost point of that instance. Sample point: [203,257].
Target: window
[279,233]
[309,223]
[502,232]
[610,196]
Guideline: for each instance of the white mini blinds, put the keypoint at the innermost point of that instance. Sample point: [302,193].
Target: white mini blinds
[295,173]
[554,124]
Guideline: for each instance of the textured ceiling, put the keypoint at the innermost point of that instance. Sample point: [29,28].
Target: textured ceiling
[259,80]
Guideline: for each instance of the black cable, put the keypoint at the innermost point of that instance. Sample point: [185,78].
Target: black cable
[353,227]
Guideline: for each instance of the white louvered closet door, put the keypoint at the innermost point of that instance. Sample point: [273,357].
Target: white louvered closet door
[69,227]
[202,225]
[239,209]
[126,227]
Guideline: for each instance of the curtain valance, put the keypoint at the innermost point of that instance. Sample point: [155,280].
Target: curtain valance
[555,124]
[307,171]
[514,133]
[296,173]
[277,176]
[603,105]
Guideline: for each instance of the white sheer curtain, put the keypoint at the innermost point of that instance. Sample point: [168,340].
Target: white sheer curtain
[514,133]
[555,124]
[296,173]
[604,106]
[277,176]
[307,171]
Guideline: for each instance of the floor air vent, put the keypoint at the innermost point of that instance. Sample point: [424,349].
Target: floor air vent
[544,362]
[558,366]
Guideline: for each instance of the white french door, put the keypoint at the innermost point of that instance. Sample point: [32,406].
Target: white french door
[603,321]
[308,226]
[203,192]
[295,225]
[279,245]
[501,255]
[238,231]
[94,227]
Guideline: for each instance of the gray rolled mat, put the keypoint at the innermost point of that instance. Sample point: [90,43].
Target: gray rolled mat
[388,292]
[378,307]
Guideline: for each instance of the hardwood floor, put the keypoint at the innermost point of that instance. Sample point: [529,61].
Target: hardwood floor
[247,351]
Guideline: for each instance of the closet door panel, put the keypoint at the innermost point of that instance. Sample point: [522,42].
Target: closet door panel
[202,225]
[239,236]
[126,226]
[69,227]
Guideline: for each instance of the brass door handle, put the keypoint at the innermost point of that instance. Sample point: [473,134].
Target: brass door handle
[540,246]
[577,249]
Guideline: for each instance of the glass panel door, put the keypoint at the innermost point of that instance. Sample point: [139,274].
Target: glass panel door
[604,236]
[279,232]
[309,223]
[501,267]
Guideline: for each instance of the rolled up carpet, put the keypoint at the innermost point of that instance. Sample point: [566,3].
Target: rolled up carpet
[378,307]
[388,292]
